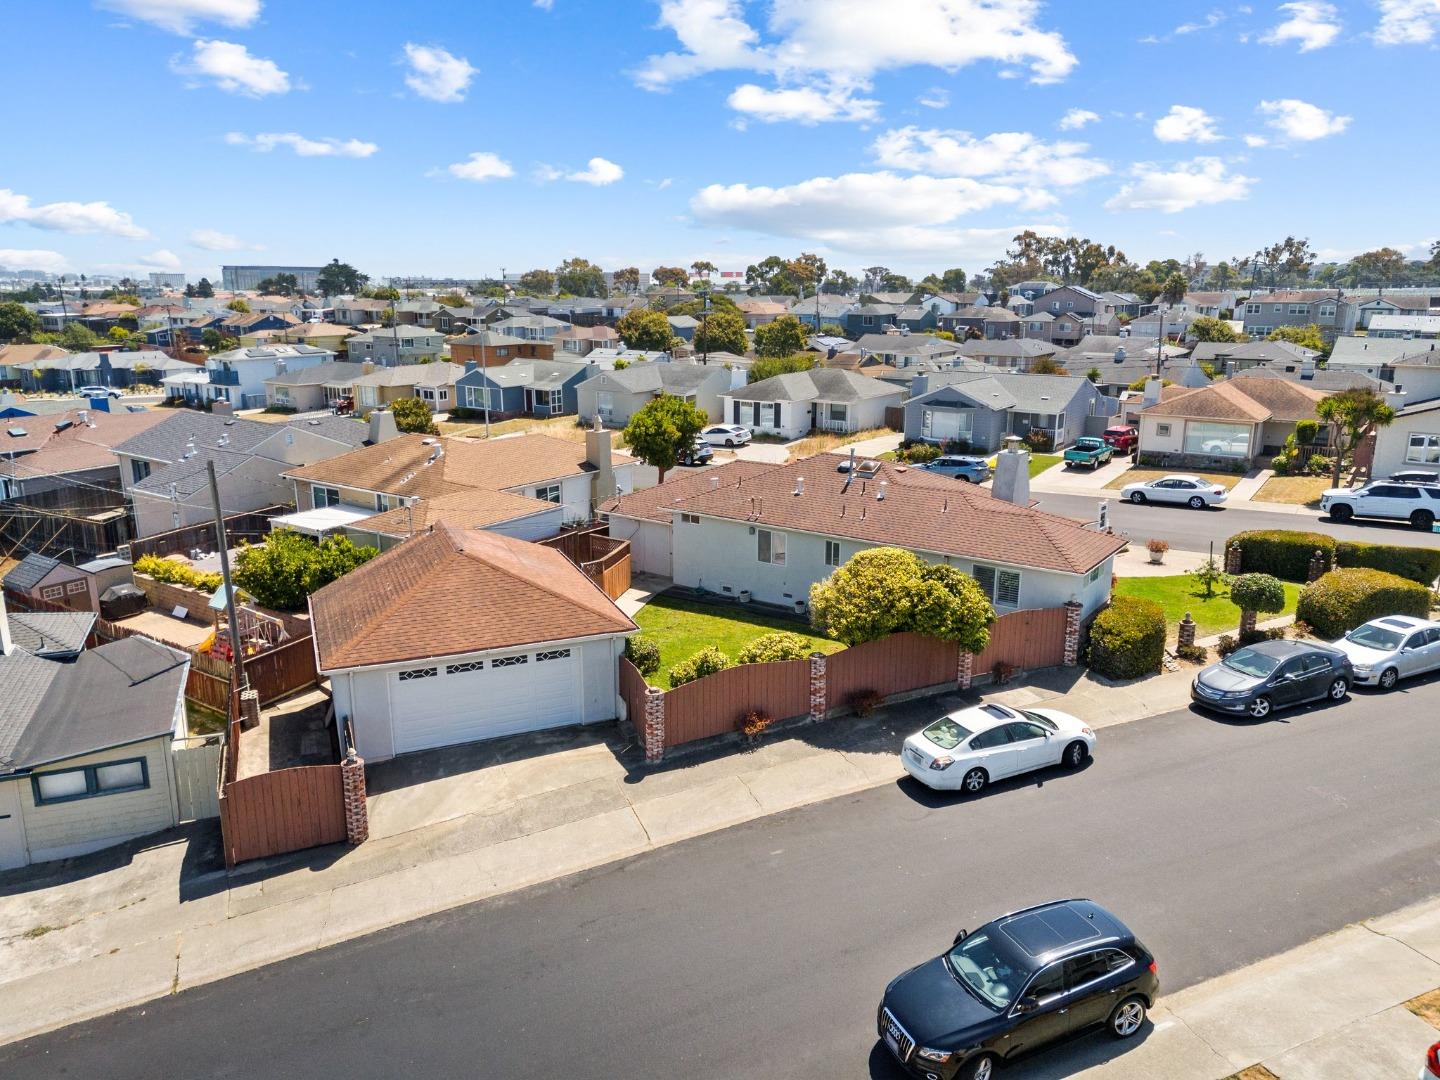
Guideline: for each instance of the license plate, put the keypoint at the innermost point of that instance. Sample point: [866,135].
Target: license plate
[892,1044]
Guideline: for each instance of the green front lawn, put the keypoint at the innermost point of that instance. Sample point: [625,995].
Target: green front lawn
[683,627]
[1039,463]
[1179,593]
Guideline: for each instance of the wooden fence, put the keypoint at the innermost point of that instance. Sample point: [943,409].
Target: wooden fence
[280,811]
[279,672]
[253,526]
[891,665]
[714,705]
[633,690]
[197,777]
[1024,641]
[604,559]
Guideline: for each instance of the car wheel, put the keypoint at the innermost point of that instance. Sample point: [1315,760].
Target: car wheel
[1137,497]
[1076,753]
[1341,513]
[1197,503]
[729,442]
[981,1068]
[1259,708]
[975,781]
[1128,1018]
[1338,689]
[1423,519]
[1388,678]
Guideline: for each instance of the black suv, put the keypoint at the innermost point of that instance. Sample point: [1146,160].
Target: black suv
[1016,984]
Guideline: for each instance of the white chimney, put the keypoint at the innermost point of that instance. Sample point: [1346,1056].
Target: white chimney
[382,426]
[6,645]
[598,454]
[880,492]
[1152,392]
[1012,473]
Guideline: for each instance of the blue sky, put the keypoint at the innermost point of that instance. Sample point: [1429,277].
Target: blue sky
[462,138]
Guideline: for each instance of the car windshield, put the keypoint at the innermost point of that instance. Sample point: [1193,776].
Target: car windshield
[1043,721]
[1250,662]
[987,971]
[1375,637]
[946,733]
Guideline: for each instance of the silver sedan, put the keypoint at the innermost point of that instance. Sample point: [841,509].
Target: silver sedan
[1181,489]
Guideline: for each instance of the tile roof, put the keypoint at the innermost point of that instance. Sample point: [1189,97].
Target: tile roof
[817,384]
[406,604]
[656,503]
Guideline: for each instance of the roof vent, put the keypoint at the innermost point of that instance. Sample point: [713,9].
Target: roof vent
[880,493]
[868,468]
[190,447]
[16,432]
[799,485]
[715,483]
[63,424]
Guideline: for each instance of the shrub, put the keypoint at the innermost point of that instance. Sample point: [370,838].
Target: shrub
[918,453]
[1157,546]
[1417,564]
[768,648]
[753,724]
[1282,464]
[1040,442]
[1127,639]
[175,572]
[283,410]
[464,412]
[1343,599]
[865,702]
[1258,592]
[707,661]
[644,654]
[1226,645]
[1250,637]
[1318,464]
[1195,654]
[288,567]
[1282,553]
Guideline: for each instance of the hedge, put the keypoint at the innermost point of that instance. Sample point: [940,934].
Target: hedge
[1343,599]
[1417,564]
[175,572]
[769,648]
[644,654]
[707,661]
[1127,639]
[1282,553]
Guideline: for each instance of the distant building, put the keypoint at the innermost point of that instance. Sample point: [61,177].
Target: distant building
[236,278]
[161,280]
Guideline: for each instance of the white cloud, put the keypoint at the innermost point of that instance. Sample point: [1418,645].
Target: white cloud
[303,146]
[1076,119]
[164,259]
[545,5]
[482,165]
[437,74]
[1301,121]
[52,262]
[1201,182]
[1313,24]
[1256,141]
[233,69]
[661,185]
[1009,157]
[806,104]
[597,172]
[936,97]
[214,240]
[1186,123]
[180,16]
[1408,22]
[68,217]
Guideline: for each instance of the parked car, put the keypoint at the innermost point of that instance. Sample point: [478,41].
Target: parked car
[1122,438]
[974,469]
[699,454]
[1414,476]
[1191,491]
[1414,503]
[1020,982]
[1089,451]
[968,749]
[1270,675]
[1431,1069]
[1386,650]
[725,435]
[98,391]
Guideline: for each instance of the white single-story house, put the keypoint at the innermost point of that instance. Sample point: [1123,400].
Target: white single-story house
[412,667]
[1230,421]
[1411,441]
[821,399]
[616,396]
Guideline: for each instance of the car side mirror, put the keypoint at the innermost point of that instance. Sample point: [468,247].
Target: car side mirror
[961,935]
[1027,1005]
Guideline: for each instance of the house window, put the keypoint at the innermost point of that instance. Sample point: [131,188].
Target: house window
[552,654]
[1252,309]
[52,592]
[549,493]
[867,320]
[468,665]
[510,661]
[139,470]
[1216,439]
[771,547]
[1001,586]
[110,778]
[839,412]
[690,519]
[1299,309]
[1423,449]
[1093,576]
[419,673]
[321,497]
[832,552]
[74,587]
[1162,430]
[1327,311]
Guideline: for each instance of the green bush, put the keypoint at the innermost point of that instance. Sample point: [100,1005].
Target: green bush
[1318,464]
[282,410]
[1417,564]
[288,567]
[1282,464]
[918,453]
[707,661]
[1040,441]
[1127,639]
[1226,645]
[768,648]
[1282,553]
[1258,592]
[1343,599]
[175,572]
[644,654]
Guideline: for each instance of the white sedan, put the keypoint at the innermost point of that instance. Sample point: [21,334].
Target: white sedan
[725,435]
[1182,488]
[1384,651]
[967,749]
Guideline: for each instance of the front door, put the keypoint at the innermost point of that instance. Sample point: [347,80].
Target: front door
[12,828]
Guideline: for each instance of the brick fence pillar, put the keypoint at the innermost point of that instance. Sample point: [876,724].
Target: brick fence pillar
[818,687]
[249,709]
[1232,559]
[1185,635]
[965,670]
[1319,566]
[357,816]
[654,724]
[1072,633]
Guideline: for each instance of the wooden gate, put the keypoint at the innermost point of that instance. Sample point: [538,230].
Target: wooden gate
[1025,640]
[891,665]
[197,778]
[281,811]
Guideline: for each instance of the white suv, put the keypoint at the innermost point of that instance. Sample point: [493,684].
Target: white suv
[1418,504]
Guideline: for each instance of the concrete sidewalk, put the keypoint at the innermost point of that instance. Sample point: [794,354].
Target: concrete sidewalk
[86,937]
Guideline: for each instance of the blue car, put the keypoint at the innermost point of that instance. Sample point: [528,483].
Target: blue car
[975,470]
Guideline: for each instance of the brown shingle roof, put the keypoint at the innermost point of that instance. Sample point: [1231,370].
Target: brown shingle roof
[1218,401]
[413,602]
[1285,400]
[77,448]
[655,503]
[468,508]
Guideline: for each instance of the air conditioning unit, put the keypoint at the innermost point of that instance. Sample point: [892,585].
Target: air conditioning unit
[123,551]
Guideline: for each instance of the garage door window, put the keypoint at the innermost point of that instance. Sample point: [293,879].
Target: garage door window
[111,778]
[553,654]
[510,661]
[460,669]
[418,673]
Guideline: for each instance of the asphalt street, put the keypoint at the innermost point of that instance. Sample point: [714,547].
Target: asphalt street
[762,950]
[1194,530]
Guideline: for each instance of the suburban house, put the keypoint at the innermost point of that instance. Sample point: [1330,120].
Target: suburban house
[315,387]
[862,319]
[1392,305]
[1228,422]
[1033,289]
[769,535]
[397,345]
[1074,299]
[822,399]
[995,323]
[1214,304]
[1172,322]
[46,578]
[17,360]
[683,326]
[491,349]
[67,451]
[980,410]
[238,376]
[1373,356]
[530,327]
[1411,441]
[523,387]
[1405,326]
[1323,307]
[757,312]
[109,367]
[816,312]
[615,396]
[1232,358]
[1013,354]
[1417,376]
[239,324]
[579,340]
[416,312]
[904,349]
[433,383]
[946,303]
[321,335]
[360,311]
[1067,328]
[455,320]
[163,469]
[411,669]
[86,746]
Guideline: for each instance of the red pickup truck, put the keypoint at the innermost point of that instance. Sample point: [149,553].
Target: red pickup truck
[1123,439]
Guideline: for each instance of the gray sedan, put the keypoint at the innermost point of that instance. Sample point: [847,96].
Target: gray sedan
[1271,675]
[976,470]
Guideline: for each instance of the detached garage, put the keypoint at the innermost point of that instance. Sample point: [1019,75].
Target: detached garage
[459,635]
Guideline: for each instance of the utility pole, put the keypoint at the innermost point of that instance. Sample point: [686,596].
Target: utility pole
[236,648]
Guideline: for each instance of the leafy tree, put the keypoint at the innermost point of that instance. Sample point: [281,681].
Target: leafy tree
[1307,337]
[722,331]
[413,416]
[703,268]
[1253,593]
[831,329]
[873,278]
[217,342]
[644,328]
[1174,288]
[621,363]
[203,289]
[885,590]
[718,301]
[239,305]
[1208,575]
[383,292]
[659,431]
[769,366]
[77,337]
[337,279]
[670,276]
[780,337]
[280,285]
[17,321]
[455,299]
[951,606]
[537,282]
[1352,415]
[808,271]
[1290,259]
[580,277]
[1209,328]
[283,572]
[952,280]
[1093,375]
[129,340]
[627,278]
[893,282]
[1047,365]
[839,283]
[772,275]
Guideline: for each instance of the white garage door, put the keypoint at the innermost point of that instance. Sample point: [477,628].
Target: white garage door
[458,702]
